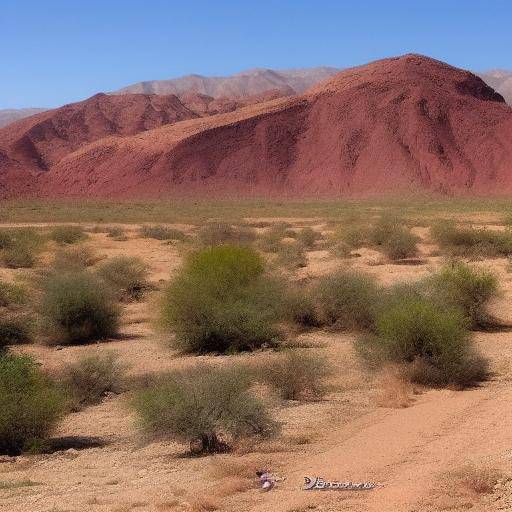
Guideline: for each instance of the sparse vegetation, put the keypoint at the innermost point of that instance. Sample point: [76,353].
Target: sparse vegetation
[11,295]
[30,404]
[20,247]
[300,307]
[78,308]
[74,259]
[161,233]
[116,232]
[65,235]
[308,236]
[431,340]
[15,329]
[296,375]
[217,233]
[128,276]
[207,407]
[221,301]
[347,300]
[291,256]
[90,378]
[471,241]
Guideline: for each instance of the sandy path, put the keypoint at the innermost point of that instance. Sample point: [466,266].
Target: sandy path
[404,450]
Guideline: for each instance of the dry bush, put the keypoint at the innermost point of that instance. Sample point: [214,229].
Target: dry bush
[218,233]
[471,242]
[300,308]
[12,295]
[74,259]
[291,256]
[20,247]
[270,240]
[16,329]
[127,275]
[393,388]
[296,375]
[91,378]
[68,234]
[116,232]
[233,485]
[347,300]
[204,504]
[78,308]
[207,407]
[162,233]
[308,237]
[221,301]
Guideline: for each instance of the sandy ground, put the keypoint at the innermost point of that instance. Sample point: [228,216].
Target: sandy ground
[408,451]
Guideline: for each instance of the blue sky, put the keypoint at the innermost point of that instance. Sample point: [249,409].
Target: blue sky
[57,51]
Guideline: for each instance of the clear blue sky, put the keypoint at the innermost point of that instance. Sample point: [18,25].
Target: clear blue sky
[57,51]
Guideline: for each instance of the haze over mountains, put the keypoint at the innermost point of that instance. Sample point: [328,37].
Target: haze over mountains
[401,125]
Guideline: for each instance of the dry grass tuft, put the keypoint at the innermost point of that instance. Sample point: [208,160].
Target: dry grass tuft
[394,390]
[475,479]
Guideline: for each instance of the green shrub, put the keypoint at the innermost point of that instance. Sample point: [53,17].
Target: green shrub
[15,329]
[73,259]
[78,308]
[468,289]
[472,242]
[308,236]
[11,295]
[30,404]
[161,233]
[347,300]
[68,234]
[299,308]
[355,236]
[401,244]
[217,233]
[291,256]
[20,247]
[127,275]
[431,340]
[90,378]
[204,406]
[222,302]
[296,375]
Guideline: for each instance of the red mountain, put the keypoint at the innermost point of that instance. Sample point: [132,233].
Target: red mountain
[398,125]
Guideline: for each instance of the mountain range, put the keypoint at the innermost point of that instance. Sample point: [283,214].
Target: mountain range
[401,125]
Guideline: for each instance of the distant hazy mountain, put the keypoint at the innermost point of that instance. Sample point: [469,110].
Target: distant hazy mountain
[246,83]
[10,115]
[500,80]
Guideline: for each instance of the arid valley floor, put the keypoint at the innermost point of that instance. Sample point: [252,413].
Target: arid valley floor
[424,447]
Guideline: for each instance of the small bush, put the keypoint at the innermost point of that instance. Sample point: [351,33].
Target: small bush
[15,329]
[116,233]
[401,244]
[291,256]
[11,295]
[30,404]
[472,242]
[92,377]
[68,234]
[78,308]
[74,259]
[19,248]
[222,302]
[296,375]
[161,233]
[347,300]
[270,241]
[308,236]
[217,233]
[207,407]
[432,340]
[468,289]
[127,275]
[300,308]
